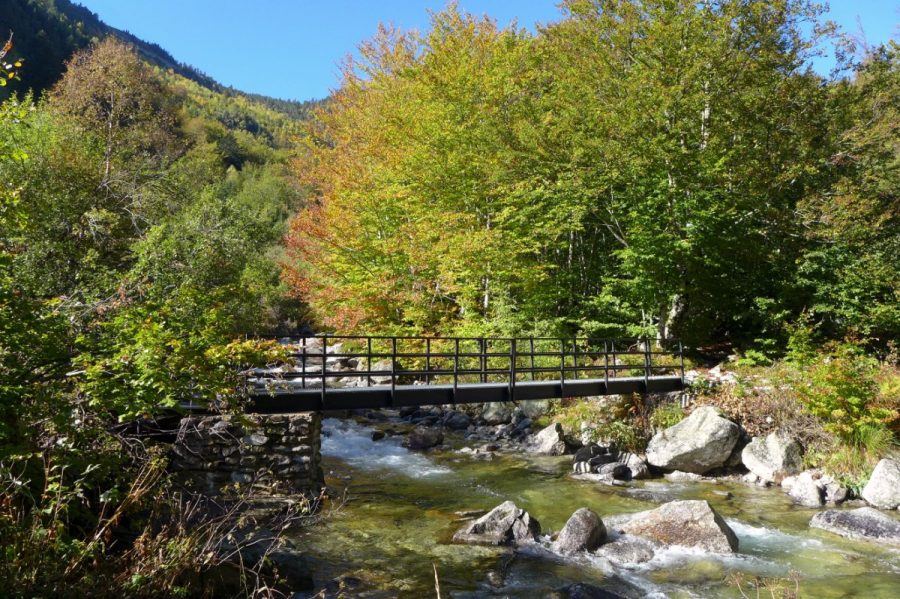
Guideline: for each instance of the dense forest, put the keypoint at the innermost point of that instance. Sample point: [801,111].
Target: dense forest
[637,168]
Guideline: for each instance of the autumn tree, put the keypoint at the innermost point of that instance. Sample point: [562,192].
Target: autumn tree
[410,156]
[633,168]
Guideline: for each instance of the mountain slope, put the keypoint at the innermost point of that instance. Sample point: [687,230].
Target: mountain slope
[48,32]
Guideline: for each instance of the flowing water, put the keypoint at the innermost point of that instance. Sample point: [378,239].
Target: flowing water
[401,508]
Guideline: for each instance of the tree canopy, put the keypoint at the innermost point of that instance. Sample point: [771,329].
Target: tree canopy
[636,167]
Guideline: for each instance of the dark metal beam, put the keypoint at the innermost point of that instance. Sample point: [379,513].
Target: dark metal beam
[310,400]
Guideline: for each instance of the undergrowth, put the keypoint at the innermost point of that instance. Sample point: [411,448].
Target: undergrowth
[841,404]
[62,536]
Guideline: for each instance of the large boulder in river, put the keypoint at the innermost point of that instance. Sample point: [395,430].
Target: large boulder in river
[423,438]
[883,488]
[549,441]
[774,457]
[687,523]
[506,524]
[807,488]
[584,531]
[865,523]
[701,442]
[627,550]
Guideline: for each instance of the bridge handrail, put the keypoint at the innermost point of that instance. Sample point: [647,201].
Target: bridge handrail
[598,354]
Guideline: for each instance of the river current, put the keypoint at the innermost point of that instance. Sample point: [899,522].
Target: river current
[394,511]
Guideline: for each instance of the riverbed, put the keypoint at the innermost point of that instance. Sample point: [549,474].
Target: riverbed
[393,512]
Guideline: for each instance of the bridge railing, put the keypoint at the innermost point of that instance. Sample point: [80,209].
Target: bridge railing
[331,361]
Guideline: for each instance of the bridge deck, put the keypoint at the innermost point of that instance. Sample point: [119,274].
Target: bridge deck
[309,400]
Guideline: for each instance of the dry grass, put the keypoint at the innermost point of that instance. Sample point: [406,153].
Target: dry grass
[152,542]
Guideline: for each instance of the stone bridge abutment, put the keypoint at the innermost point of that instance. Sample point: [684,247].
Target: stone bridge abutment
[270,453]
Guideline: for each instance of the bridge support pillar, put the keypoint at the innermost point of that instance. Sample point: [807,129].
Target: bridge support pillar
[269,454]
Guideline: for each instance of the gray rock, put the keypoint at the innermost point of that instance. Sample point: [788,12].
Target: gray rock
[599,461]
[865,523]
[506,524]
[627,550]
[535,408]
[593,450]
[687,523]
[684,477]
[256,439]
[636,465]
[549,441]
[883,488]
[806,488]
[380,366]
[616,471]
[584,531]
[774,457]
[582,468]
[423,438]
[699,443]
[497,412]
[836,494]
[457,421]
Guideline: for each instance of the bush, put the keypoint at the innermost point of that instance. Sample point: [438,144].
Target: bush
[622,422]
[842,390]
[666,415]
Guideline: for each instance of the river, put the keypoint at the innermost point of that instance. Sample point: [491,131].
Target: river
[393,526]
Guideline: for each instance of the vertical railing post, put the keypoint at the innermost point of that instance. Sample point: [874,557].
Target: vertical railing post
[615,368]
[575,355]
[303,378]
[369,362]
[393,367]
[606,365]
[562,368]
[681,357]
[647,362]
[512,369]
[483,360]
[427,360]
[455,366]
[324,369]
[531,347]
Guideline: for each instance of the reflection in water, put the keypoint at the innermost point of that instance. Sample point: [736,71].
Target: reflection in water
[402,509]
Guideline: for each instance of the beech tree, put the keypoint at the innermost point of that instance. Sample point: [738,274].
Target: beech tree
[634,168]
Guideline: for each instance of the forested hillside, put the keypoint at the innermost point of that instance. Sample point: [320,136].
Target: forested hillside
[638,167]
[142,222]
[48,32]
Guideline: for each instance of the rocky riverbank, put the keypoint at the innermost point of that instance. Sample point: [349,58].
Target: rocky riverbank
[401,509]
[704,447]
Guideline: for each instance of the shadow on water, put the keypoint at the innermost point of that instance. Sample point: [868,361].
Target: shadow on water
[403,507]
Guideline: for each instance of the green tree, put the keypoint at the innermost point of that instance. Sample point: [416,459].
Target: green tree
[851,268]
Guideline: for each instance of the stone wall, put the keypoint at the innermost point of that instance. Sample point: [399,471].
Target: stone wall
[277,453]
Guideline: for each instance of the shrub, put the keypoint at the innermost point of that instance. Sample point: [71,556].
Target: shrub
[623,422]
[842,390]
[666,415]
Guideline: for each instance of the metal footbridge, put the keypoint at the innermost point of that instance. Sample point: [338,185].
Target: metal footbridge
[331,372]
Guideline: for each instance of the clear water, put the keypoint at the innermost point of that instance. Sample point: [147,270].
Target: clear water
[400,511]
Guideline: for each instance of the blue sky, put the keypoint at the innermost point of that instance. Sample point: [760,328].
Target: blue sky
[292,48]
